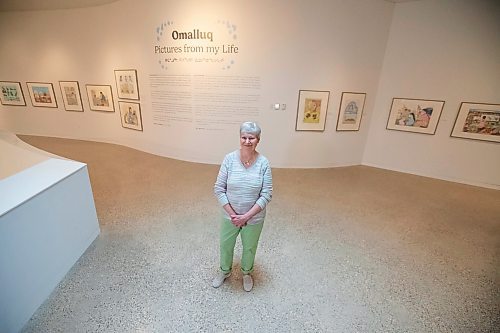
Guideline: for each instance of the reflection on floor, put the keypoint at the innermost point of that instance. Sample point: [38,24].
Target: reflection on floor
[354,249]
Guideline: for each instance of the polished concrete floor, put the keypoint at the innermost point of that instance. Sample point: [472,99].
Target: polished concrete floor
[354,249]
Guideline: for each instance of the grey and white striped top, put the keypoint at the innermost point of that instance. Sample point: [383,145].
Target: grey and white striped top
[243,187]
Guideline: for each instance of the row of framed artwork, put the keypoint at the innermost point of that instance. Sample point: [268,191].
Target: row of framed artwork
[100,97]
[478,121]
[42,94]
[313,106]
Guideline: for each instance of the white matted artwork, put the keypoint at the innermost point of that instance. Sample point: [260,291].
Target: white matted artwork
[414,115]
[350,111]
[126,84]
[100,97]
[72,99]
[42,94]
[478,121]
[130,114]
[311,110]
[11,93]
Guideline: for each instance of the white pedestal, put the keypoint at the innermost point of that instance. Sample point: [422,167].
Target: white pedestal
[47,221]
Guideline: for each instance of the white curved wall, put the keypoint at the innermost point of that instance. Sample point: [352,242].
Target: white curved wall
[428,49]
[47,220]
[290,45]
[17,155]
[442,50]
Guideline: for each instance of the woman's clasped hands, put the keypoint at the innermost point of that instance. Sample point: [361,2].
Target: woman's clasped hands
[239,220]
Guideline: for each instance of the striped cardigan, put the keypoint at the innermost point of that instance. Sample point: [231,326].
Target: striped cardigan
[243,187]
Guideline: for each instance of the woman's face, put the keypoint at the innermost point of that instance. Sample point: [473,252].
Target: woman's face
[248,140]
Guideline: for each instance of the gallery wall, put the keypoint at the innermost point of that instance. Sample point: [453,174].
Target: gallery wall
[284,46]
[439,50]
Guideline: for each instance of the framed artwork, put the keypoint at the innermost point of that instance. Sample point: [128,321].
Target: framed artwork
[478,121]
[72,99]
[311,110]
[12,93]
[130,114]
[126,84]
[42,94]
[100,98]
[350,111]
[414,115]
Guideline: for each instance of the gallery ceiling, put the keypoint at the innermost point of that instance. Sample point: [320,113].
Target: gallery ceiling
[16,5]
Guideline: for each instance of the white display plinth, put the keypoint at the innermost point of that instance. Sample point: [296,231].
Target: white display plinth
[47,221]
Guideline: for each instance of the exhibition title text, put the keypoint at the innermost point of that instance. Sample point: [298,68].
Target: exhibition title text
[195,35]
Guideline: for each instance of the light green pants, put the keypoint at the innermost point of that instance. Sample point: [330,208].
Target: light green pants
[249,239]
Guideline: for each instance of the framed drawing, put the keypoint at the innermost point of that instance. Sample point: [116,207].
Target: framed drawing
[130,114]
[42,94]
[311,110]
[126,84]
[100,98]
[350,111]
[478,121]
[12,93]
[414,115]
[72,99]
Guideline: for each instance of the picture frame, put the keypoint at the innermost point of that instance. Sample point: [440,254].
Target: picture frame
[127,84]
[312,110]
[71,96]
[477,121]
[415,115]
[11,93]
[130,115]
[100,97]
[350,111]
[42,94]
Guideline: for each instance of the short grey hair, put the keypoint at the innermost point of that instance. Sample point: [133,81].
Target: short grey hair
[251,128]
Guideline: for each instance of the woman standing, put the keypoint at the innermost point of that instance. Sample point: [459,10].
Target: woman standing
[244,187]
